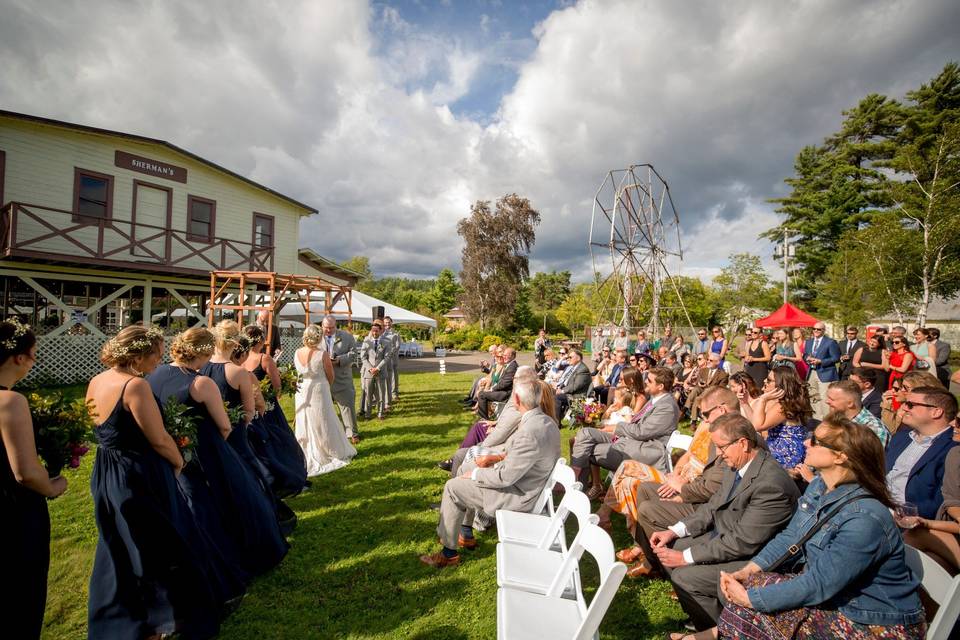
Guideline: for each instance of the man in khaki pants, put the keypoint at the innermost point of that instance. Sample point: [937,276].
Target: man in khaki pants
[822,353]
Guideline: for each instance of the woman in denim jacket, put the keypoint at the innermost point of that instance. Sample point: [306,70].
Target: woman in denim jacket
[854,582]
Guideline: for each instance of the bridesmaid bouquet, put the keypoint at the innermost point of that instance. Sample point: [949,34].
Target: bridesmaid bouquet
[181,424]
[235,413]
[269,393]
[63,429]
[585,412]
[290,381]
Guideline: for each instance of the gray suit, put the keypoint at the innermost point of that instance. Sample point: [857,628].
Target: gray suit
[644,438]
[498,439]
[514,483]
[393,382]
[726,531]
[942,360]
[341,354]
[373,355]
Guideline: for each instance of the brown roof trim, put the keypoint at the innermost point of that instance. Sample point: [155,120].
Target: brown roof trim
[318,262]
[163,143]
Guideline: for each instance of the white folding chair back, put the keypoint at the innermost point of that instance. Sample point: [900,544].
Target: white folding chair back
[562,474]
[541,531]
[940,586]
[677,441]
[598,544]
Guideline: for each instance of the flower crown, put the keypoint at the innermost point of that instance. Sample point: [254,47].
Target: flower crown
[141,345]
[19,330]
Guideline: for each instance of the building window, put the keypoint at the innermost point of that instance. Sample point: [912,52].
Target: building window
[3,165]
[201,216]
[262,230]
[92,196]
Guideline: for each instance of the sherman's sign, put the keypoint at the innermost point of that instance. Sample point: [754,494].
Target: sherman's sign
[150,167]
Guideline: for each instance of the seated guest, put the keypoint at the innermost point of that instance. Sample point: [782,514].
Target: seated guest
[940,537]
[481,382]
[652,501]
[559,366]
[891,404]
[662,356]
[781,413]
[490,433]
[916,456]
[549,359]
[514,483]
[870,396]
[712,376]
[844,397]
[670,362]
[644,438]
[501,390]
[854,582]
[603,386]
[755,500]
[604,364]
[574,383]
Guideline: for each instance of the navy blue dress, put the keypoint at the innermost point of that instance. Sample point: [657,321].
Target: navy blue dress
[225,495]
[277,446]
[153,571]
[25,540]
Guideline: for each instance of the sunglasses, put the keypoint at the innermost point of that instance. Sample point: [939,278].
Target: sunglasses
[706,412]
[896,342]
[814,442]
[910,404]
[895,387]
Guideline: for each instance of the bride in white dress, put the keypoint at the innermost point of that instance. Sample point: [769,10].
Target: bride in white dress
[319,430]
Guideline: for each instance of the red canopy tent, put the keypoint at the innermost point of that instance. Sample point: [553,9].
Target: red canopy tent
[787,316]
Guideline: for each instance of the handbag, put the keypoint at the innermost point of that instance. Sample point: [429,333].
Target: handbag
[796,547]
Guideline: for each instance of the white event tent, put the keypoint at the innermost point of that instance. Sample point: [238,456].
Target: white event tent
[292,313]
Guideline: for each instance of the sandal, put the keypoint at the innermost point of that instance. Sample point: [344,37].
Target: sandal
[596,492]
[630,555]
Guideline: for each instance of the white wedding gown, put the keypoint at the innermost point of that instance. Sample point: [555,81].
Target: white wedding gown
[319,430]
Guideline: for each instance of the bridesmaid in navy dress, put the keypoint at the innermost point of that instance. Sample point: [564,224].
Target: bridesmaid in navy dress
[225,494]
[276,443]
[153,571]
[24,488]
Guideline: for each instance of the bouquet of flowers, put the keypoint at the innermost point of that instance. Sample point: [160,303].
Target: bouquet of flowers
[62,428]
[269,393]
[181,424]
[586,412]
[234,413]
[290,381]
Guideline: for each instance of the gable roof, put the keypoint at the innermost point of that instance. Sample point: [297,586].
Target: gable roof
[787,316]
[163,143]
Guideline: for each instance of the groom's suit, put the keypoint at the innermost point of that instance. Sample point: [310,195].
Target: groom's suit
[341,346]
[373,355]
[393,377]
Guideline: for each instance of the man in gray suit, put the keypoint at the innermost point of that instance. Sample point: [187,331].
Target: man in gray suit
[340,345]
[943,357]
[393,380]
[373,359]
[513,483]
[644,438]
[754,502]
[574,383]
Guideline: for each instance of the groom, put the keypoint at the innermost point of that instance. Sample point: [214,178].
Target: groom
[340,344]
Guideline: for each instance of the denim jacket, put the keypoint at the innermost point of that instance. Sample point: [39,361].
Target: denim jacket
[855,563]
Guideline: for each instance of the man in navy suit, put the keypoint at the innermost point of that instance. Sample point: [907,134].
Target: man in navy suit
[822,355]
[603,392]
[916,456]
[870,397]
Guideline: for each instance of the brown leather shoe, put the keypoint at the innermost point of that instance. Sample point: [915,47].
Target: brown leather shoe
[466,543]
[354,439]
[630,555]
[439,561]
[642,569]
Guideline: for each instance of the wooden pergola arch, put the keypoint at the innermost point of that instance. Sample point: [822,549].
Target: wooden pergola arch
[255,291]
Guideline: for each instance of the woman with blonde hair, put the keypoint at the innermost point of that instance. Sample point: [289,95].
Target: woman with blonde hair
[274,440]
[25,487]
[225,494]
[318,428]
[153,571]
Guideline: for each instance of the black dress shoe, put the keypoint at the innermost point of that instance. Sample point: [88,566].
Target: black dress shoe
[446,465]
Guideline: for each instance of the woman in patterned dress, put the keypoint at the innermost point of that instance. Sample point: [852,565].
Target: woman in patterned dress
[780,413]
[870,594]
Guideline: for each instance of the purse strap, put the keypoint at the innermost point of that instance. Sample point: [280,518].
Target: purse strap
[796,547]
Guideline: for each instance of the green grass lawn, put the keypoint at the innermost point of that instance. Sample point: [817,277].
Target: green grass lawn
[352,571]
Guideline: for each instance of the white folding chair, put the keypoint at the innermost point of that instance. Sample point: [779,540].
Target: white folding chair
[938,584]
[538,530]
[534,569]
[510,521]
[677,441]
[522,615]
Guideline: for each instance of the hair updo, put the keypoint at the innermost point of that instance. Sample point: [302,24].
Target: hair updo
[15,339]
[226,332]
[131,343]
[243,347]
[191,344]
[312,336]
[255,333]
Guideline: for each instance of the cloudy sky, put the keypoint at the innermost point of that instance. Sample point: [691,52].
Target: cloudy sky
[391,118]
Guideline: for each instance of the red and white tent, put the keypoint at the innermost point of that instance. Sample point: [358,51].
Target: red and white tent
[787,316]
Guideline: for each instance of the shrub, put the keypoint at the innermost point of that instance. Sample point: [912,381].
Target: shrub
[489,340]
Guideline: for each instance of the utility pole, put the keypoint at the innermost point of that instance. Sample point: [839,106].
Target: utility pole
[785,250]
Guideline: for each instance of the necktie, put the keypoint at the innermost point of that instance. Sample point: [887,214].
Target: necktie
[816,345]
[736,481]
[376,343]
[329,344]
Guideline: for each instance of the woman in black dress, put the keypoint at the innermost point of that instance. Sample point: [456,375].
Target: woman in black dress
[757,359]
[154,572]
[874,356]
[225,494]
[24,487]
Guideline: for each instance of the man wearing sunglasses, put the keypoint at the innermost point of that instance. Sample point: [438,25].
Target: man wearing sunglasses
[916,456]
[822,355]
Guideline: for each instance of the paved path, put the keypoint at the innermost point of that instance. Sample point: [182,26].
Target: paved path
[456,362]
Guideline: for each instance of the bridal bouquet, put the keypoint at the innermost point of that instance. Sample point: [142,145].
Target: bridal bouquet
[181,424]
[586,412]
[63,429]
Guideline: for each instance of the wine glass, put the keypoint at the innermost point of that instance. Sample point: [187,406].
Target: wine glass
[907,516]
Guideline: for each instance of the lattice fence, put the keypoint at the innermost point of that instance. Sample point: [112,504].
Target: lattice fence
[74,359]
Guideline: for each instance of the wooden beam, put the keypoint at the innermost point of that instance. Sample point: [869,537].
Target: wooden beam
[67,310]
